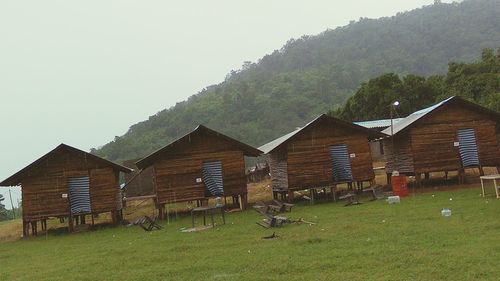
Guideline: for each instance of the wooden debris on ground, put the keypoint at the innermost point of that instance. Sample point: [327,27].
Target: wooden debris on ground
[196,229]
[147,223]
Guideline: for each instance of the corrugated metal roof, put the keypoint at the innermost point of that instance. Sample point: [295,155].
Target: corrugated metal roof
[383,123]
[272,145]
[410,119]
[148,160]
[17,177]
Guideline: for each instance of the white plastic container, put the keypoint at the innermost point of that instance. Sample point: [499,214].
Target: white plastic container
[393,200]
[445,212]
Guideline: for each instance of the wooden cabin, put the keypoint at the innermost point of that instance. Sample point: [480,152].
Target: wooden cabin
[200,165]
[452,135]
[322,154]
[376,145]
[68,183]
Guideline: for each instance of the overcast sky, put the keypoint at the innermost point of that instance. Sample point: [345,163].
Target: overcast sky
[82,72]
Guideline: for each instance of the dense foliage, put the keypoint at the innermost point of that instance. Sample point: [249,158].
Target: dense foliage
[315,74]
[3,211]
[478,81]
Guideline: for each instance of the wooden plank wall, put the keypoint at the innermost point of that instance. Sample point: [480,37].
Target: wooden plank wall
[309,161]
[278,170]
[402,160]
[42,190]
[105,193]
[176,173]
[432,139]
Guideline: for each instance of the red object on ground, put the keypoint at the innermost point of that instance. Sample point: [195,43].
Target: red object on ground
[399,186]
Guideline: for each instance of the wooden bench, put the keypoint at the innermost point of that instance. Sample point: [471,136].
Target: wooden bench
[206,210]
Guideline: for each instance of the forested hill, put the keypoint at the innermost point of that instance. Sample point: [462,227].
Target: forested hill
[315,74]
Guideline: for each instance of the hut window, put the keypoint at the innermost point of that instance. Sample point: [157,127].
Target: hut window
[212,178]
[468,147]
[341,164]
[79,195]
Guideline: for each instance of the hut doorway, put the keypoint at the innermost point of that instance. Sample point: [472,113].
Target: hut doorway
[212,178]
[468,148]
[341,164]
[79,195]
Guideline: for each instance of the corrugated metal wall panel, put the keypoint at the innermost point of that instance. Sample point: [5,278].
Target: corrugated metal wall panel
[468,147]
[212,177]
[79,195]
[341,163]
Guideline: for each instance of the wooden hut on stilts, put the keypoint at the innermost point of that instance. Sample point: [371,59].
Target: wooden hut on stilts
[200,165]
[322,154]
[452,135]
[68,183]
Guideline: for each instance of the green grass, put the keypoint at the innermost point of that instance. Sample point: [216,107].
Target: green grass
[372,241]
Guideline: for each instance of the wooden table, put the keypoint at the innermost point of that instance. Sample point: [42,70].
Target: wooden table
[493,178]
[205,210]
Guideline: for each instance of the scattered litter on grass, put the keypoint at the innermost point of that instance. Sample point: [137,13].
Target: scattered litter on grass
[383,221]
[445,212]
[433,195]
[451,199]
[393,200]
[270,237]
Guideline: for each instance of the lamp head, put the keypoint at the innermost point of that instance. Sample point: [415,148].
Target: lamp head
[396,103]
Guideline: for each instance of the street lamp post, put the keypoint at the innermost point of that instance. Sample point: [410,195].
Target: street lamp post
[392,108]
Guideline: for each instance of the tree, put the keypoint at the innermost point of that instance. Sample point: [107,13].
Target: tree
[3,211]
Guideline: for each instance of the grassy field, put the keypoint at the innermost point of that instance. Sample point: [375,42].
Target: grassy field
[372,241]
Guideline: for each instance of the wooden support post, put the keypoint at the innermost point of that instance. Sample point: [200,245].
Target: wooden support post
[26,231]
[82,219]
[291,196]
[92,216]
[333,191]
[418,179]
[243,201]
[446,175]
[161,210]
[389,179]
[481,171]
[70,223]
[427,176]
[461,176]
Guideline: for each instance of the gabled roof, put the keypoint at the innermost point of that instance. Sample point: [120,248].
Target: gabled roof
[17,177]
[272,145]
[412,119]
[149,160]
[378,124]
